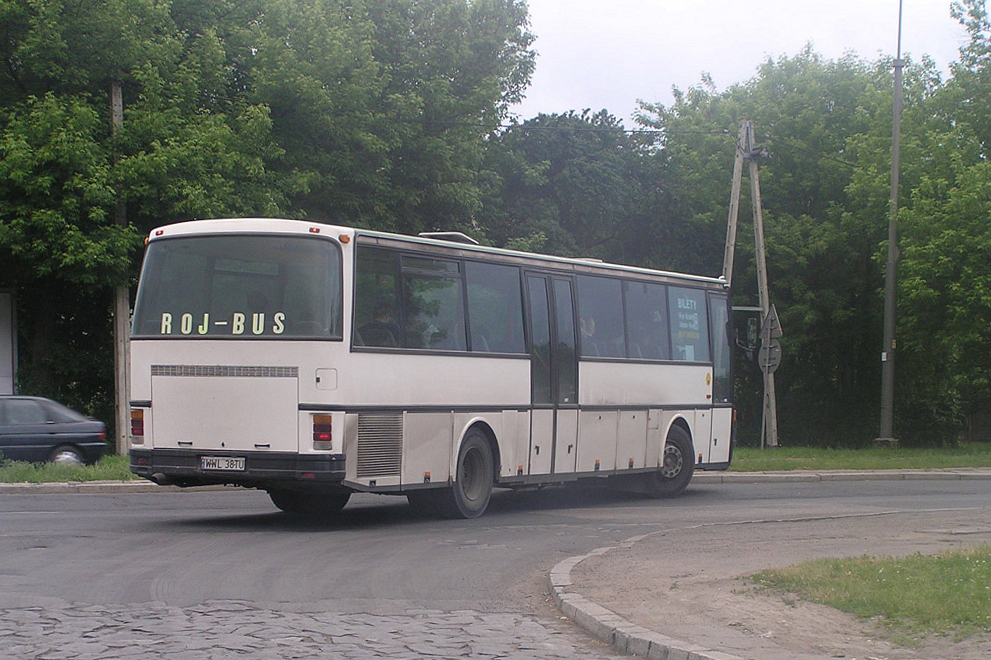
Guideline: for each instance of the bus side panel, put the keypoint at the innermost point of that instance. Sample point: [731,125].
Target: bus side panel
[647,385]
[631,446]
[656,422]
[427,449]
[597,443]
[701,435]
[541,441]
[722,429]
[565,449]
[410,380]
[520,463]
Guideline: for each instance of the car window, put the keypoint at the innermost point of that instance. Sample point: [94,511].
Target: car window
[24,411]
[56,412]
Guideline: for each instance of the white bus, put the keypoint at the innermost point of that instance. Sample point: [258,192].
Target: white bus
[313,361]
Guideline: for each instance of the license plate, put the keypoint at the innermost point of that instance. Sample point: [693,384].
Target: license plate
[233,463]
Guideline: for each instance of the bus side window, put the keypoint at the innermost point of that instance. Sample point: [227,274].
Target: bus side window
[647,320]
[495,308]
[689,324]
[376,311]
[600,306]
[434,318]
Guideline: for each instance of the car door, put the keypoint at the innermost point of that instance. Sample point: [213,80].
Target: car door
[25,431]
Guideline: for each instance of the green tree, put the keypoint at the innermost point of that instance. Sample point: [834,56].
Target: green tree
[571,184]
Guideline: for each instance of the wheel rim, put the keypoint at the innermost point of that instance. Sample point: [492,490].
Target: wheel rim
[66,456]
[472,474]
[673,462]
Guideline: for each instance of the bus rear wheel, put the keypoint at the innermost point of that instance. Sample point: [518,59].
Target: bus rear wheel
[469,496]
[308,504]
[677,466]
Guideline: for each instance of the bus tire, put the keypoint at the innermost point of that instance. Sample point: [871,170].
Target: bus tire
[677,466]
[308,504]
[469,496]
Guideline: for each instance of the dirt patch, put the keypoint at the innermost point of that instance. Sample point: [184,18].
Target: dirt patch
[692,585]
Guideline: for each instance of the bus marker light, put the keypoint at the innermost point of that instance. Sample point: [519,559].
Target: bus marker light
[307,475]
[344,238]
[314,230]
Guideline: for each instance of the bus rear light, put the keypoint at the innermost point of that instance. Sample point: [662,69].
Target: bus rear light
[137,426]
[322,432]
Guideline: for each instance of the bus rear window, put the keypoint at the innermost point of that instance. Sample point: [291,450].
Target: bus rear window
[248,286]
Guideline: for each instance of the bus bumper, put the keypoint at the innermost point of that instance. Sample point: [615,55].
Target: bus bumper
[170,467]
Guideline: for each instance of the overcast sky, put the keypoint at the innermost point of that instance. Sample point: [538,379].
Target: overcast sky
[608,53]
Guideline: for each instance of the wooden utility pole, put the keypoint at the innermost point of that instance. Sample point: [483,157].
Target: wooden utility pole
[122,305]
[887,436]
[747,151]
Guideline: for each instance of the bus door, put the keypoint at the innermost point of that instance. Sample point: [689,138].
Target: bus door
[553,375]
[722,379]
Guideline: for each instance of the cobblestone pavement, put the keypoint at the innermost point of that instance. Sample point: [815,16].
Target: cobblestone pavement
[234,629]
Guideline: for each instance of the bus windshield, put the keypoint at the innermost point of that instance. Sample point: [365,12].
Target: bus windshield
[242,287]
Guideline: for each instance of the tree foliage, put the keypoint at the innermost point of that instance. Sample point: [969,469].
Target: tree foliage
[365,113]
[570,184]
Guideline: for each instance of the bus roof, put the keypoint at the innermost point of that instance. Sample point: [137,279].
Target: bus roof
[336,232]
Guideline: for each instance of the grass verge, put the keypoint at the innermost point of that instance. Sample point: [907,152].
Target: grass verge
[977,454]
[109,468]
[945,594]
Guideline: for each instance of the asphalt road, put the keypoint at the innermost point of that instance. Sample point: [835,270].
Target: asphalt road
[223,574]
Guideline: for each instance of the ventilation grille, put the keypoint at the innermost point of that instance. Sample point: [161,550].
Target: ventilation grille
[380,444]
[223,371]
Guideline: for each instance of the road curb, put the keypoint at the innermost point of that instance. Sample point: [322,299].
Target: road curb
[609,627]
[629,638]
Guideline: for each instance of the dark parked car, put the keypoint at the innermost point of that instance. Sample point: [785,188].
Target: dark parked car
[35,429]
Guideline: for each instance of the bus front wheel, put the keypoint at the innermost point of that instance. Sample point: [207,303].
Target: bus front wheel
[677,465]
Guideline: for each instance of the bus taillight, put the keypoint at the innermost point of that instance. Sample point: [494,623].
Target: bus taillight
[137,426]
[322,435]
